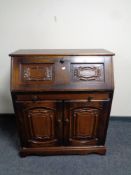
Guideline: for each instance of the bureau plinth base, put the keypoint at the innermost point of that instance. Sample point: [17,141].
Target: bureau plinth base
[63,151]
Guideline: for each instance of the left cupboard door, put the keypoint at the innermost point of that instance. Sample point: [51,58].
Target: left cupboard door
[40,123]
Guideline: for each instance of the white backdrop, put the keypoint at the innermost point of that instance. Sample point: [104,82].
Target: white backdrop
[41,24]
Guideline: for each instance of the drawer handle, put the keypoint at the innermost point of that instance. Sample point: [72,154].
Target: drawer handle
[34,98]
[89,99]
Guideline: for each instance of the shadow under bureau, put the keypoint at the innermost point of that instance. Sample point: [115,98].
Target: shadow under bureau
[62,100]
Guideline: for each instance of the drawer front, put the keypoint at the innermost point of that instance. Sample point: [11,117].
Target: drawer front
[87,96]
[59,73]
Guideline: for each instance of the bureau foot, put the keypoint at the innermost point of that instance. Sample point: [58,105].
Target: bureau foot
[63,151]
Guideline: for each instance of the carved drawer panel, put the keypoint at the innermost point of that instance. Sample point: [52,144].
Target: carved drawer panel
[87,72]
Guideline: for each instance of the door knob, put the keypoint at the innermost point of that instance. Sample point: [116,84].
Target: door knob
[59,121]
[66,121]
[34,98]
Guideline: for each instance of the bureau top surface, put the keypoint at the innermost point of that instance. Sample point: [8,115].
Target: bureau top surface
[75,52]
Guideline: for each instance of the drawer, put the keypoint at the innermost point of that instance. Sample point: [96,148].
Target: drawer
[38,97]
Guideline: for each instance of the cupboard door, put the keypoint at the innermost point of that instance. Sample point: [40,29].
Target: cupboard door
[85,122]
[40,123]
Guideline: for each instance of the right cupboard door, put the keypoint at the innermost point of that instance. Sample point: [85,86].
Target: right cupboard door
[85,122]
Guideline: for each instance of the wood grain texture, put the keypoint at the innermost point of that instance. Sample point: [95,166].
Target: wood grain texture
[75,73]
[63,150]
[62,100]
[91,52]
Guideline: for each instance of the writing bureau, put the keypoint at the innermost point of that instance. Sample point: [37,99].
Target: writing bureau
[62,100]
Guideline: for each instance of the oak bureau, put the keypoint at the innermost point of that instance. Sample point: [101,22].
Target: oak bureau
[62,100]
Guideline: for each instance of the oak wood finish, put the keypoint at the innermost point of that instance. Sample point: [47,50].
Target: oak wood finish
[62,100]
[63,150]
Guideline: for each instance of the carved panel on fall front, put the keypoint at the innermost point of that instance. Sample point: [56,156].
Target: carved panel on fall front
[41,124]
[37,72]
[88,72]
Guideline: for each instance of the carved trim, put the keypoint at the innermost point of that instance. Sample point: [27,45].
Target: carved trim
[87,73]
[76,114]
[44,73]
[26,74]
[41,112]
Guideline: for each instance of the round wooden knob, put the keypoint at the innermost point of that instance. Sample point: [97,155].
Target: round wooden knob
[34,98]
